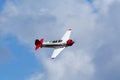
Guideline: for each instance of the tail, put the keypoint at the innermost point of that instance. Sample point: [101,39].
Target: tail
[38,43]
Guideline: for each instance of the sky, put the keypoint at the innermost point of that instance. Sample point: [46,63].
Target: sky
[95,30]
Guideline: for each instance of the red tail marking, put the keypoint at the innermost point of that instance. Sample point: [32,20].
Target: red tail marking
[38,43]
[42,40]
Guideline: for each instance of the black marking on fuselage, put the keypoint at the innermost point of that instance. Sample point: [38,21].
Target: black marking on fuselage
[53,45]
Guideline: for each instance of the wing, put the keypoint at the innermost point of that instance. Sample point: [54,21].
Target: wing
[66,35]
[56,52]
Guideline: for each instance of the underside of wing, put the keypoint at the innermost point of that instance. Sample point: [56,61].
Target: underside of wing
[56,52]
[66,35]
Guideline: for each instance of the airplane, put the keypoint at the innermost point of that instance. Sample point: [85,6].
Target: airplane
[58,45]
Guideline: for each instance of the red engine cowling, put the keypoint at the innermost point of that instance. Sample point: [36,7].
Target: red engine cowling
[38,43]
[70,42]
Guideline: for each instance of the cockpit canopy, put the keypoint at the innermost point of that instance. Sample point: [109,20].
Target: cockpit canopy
[56,41]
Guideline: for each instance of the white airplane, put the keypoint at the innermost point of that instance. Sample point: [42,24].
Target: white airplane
[58,45]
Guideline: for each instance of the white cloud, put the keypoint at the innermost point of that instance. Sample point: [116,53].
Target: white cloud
[106,56]
[29,20]
[103,5]
[72,65]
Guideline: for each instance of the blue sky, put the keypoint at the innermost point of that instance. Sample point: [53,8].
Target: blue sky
[2,2]
[17,63]
[95,29]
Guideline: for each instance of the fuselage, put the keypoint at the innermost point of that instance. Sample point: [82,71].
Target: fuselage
[57,44]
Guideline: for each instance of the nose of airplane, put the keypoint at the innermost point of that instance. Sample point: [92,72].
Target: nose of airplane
[70,42]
